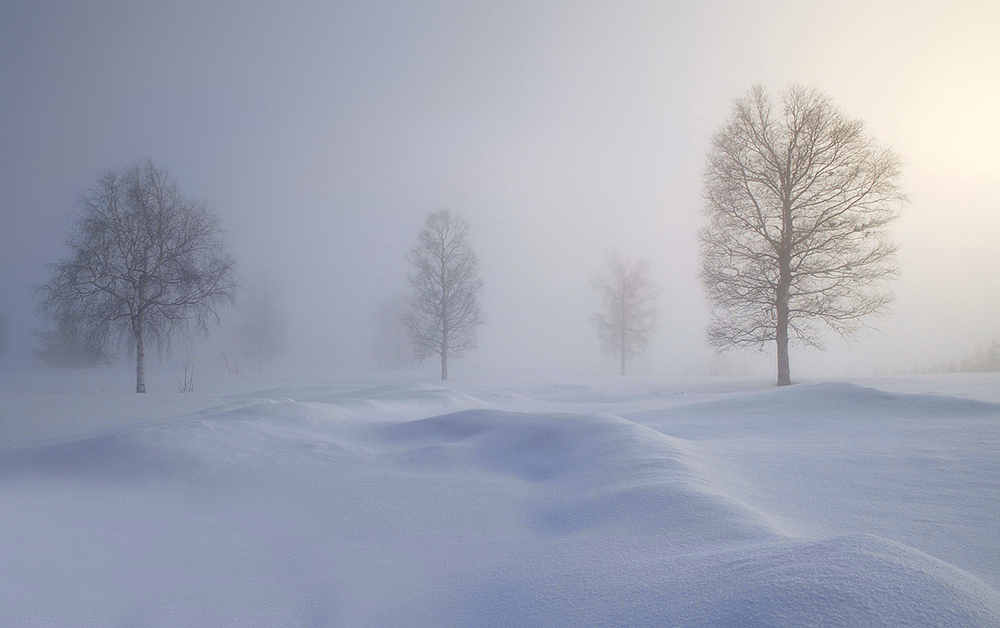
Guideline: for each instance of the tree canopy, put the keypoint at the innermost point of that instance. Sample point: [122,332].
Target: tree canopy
[445,311]
[797,200]
[145,262]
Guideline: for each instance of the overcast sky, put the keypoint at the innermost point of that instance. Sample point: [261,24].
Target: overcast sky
[322,134]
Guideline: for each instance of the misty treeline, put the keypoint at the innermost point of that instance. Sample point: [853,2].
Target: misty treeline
[798,199]
[985,359]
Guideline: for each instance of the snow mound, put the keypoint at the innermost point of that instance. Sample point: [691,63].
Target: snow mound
[850,401]
[326,511]
[592,470]
[403,399]
[106,458]
[806,405]
[841,582]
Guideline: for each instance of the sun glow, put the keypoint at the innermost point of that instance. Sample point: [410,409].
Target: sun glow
[952,128]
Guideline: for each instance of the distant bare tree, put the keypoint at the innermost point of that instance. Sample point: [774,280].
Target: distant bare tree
[145,263]
[628,321]
[797,203]
[446,285]
[391,338]
[65,346]
[263,324]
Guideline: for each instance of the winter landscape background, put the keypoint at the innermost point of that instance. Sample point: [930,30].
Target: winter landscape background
[599,501]
[296,466]
[322,134]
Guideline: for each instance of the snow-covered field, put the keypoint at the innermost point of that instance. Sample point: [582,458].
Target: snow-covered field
[586,502]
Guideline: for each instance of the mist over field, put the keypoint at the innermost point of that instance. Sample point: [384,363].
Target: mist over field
[475,314]
[322,134]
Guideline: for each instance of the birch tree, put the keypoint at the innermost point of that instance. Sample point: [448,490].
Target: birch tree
[797,200]
[145,263]
[628,321]
[445,311]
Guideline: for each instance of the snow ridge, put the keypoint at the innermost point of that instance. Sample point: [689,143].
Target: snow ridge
[382,506]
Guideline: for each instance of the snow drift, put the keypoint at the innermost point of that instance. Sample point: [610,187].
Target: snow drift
[384,506]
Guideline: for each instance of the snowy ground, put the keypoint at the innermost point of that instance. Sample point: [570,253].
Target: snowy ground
[587,502]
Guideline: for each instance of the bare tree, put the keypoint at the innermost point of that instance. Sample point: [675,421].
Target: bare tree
[391,337]
[628,321]
[797,204]
[263,324]
[445,309]
[145,263]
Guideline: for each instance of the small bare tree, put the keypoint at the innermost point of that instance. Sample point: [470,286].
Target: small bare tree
[263,324]
[185,383]
[628,321]
[145,263]
[445,309]
[797,203]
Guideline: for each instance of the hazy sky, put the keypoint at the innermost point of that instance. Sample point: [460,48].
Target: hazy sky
[322,133]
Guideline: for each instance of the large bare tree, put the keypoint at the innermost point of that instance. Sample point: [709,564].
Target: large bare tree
[798,198]
[145,263]
[445,311]
[628,321]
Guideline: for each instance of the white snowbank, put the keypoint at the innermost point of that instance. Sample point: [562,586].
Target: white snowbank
[414,505]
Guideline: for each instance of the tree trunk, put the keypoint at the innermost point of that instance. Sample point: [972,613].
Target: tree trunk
[140,348]
[444,351]
[140,360]
[781,340]
[784,283]
[623,329]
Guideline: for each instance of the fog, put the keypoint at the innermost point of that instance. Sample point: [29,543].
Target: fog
[323,133]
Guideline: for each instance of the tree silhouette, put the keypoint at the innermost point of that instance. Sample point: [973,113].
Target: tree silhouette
[798,199]
[145,263]
[445,311]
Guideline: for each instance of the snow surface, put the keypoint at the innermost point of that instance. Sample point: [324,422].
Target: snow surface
[596,502]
